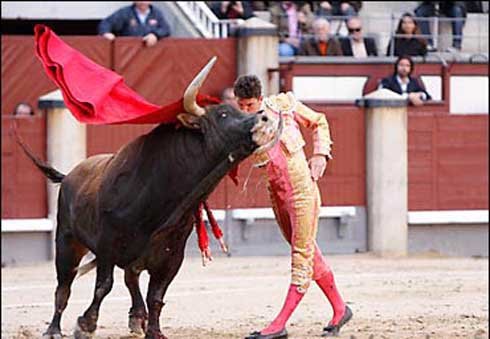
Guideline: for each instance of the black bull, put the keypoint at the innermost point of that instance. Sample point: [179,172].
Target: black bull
[134,208]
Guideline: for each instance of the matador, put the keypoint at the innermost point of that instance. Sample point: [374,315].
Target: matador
[295,197]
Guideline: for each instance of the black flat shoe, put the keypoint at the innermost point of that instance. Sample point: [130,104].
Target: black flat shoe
[333,330]
[278,335]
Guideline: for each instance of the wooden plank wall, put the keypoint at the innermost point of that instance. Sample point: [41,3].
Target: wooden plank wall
[448,154]
[23,185]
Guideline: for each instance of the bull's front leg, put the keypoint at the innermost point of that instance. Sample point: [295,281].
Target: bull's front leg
[157,287]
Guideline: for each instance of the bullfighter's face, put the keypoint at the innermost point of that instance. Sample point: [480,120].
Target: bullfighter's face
[250,105]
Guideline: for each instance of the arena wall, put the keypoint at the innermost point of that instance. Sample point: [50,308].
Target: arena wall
[447,150]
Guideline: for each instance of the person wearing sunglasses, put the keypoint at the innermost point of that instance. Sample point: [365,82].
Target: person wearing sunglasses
[356,44]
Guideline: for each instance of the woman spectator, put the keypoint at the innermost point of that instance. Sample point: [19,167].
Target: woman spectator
[407,40]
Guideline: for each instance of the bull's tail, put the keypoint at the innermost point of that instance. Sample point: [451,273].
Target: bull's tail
[84,269]
[51,173]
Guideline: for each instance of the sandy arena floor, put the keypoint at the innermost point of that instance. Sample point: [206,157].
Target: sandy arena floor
[416,297]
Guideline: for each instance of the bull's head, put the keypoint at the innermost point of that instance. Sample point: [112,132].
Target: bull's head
[225,127]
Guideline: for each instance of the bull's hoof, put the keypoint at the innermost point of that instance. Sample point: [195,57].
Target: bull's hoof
[79,333]
[153,334]
[137,326]
[52,335]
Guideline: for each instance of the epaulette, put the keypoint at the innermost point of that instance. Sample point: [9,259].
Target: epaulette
[283,102]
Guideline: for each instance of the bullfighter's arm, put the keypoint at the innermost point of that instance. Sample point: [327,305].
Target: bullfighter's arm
[316,121]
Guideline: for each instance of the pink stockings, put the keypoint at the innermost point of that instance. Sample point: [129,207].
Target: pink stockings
[293,298]
[327,285]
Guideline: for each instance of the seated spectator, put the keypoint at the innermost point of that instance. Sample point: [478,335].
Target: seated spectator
[293,22]
[406,41]
[232,9]
[327,9]
[228,97]
[23,109]
[356,44]
[260,5]
[452,9]
[139,19]
[403,83]
[320,44]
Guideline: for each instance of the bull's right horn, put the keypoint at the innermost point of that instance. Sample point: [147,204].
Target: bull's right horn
[190,104]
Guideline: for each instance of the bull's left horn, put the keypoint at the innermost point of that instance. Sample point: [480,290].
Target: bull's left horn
[190,104]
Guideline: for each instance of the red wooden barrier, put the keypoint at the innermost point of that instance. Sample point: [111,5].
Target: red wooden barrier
[23,185]
[448,161]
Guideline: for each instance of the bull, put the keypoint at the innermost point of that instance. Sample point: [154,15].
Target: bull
[134,209]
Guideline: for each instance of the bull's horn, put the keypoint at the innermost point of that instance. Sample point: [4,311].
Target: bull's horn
[190,104]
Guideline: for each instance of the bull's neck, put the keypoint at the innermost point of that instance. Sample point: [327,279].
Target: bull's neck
[200,191]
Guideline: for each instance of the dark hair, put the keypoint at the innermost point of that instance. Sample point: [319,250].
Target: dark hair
[416,31]
[248,86]
[406,57]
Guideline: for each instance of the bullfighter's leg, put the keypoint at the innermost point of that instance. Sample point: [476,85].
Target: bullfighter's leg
[137,314]
[87,323]
[157,287]
[69,253]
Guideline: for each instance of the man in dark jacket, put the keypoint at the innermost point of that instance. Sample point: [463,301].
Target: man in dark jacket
[320,44]
[403,83]
[139,19]
[356,45]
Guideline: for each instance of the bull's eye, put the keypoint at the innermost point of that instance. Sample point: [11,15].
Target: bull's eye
[223,115]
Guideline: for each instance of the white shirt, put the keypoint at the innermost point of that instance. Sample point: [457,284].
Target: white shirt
[142,16]
[404,87]
[358,48]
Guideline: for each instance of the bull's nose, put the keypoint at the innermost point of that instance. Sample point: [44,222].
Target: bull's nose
[264,118]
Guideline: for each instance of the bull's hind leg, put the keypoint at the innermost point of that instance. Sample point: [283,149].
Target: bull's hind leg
[137,314]
[87,323]
[68,255]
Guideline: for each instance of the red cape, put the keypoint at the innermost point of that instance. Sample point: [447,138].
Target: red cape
[111,101]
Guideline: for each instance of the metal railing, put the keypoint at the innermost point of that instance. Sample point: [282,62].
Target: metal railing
[209,26]
[205,21]
[371,24]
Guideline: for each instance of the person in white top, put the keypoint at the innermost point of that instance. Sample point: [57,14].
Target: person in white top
[356,44]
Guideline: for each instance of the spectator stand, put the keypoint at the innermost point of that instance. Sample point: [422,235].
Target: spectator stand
[379,27]
[206,21]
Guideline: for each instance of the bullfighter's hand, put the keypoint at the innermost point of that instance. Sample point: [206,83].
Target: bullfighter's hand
[317,163]
[150,39]
[109,36]
[206,256]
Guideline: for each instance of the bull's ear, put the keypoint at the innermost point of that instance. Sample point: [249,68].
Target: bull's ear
[189,120]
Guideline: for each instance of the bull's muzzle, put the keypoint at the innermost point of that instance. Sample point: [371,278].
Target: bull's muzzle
[266,131]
